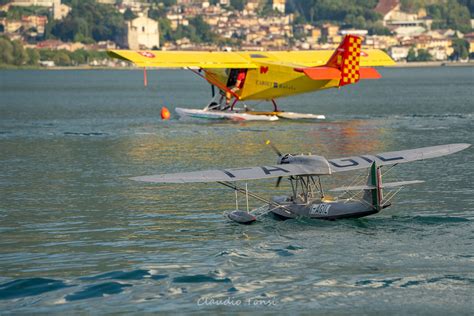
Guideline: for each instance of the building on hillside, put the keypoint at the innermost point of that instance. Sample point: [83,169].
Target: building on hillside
[381,41]
[409,31]
[126,3]
[252,5]
[354,32]
[5,7]
[60,11]
[399,53]
[38,3]
[34,22]
[470,38]
[279,5]
[12,26]
[177,19]
[390,11]
[330,33]
[143,33]
[58,45]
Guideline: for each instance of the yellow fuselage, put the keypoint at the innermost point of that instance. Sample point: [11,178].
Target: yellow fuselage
[272,81]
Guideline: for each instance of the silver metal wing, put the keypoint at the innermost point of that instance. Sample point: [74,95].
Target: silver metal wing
[304,165]
[394,157]
[238,174]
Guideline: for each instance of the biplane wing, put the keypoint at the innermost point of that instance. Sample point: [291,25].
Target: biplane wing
[236,174]
[394,157]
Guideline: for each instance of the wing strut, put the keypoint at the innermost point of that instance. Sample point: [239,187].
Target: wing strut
[255,196]
[145,79]
[214,82]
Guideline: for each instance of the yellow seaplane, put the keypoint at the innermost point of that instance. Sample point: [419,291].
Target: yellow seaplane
[256,75]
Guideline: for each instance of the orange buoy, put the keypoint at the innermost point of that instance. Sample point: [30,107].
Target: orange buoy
[165,113]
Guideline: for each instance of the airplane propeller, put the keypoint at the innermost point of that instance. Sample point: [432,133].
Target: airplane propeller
[274,148]
[279,153]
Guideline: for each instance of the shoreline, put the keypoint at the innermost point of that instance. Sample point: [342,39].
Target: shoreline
[416,64]
[425,64]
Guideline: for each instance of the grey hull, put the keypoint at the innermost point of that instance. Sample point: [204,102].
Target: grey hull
[322,210]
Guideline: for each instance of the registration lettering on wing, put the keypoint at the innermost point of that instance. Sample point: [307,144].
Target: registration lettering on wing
[267,170]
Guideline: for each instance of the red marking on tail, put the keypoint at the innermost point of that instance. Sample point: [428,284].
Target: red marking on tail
[343,64]
[346,58]
[322,73]
[369,73]
[263,69]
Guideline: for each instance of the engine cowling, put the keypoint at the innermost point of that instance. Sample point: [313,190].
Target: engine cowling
[309,160]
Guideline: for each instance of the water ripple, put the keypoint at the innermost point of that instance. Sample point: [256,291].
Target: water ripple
[29,287]
[98,290]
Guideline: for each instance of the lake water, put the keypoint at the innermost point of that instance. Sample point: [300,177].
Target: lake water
[77,235]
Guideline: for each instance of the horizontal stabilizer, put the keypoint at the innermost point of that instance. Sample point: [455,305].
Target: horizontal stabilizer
[321,73]
[369,73]
[372,187]
[329,73]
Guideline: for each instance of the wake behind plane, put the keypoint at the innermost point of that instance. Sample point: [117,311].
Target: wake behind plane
[308,198]
[256,75]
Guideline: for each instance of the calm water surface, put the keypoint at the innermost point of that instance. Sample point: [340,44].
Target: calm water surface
[76,234]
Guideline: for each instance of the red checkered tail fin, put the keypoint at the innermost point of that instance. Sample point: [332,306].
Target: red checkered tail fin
[344,64]
[346,59]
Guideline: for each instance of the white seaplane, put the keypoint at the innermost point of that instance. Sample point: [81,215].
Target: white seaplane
[304,172]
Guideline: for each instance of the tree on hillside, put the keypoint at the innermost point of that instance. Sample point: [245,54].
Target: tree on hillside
[13,53]
[203,30]
[33,56]
[337,10]
[128,15]
[347,13]
[420,55]
[166,3]
[90,21]
[424,55]
[451,15]
[6,51]
[460,49]
[237,4]
[20,56]
[62,59]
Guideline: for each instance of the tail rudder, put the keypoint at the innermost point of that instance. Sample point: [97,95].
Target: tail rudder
[344,64]
[346,58]
[374,196]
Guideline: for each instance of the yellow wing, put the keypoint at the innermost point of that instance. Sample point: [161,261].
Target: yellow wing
[313,58]
[208,60]
[180,59]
